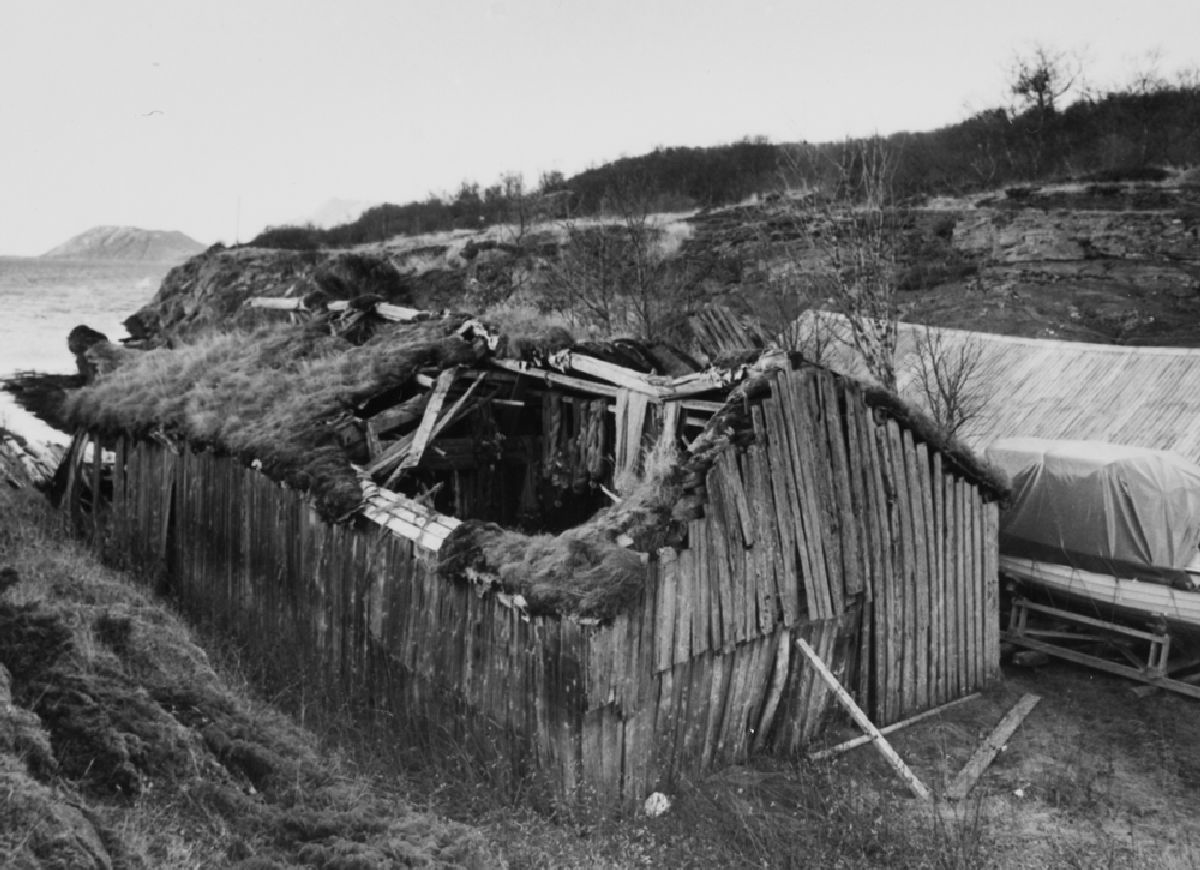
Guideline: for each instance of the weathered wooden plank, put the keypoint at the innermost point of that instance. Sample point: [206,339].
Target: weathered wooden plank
[787,517]
[739,503]
[848,523]
[822,635]
[760,685]
[991,746]
[780,668]
[800,440]
[938,564]
[855,742]
[664,626]
[881,661]
[921,570]
[695,627]
[960,580]
[705,572]
[630,429]
[685,587]
[727,738]
[699,699]
[719,559]
[908,590]
[820,463]
[771,586]
[992,579]
[979,606]
[859,494]
[739,580]
[717,690]
[897,764]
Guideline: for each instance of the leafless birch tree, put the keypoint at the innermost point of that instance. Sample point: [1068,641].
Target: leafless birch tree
[946,370]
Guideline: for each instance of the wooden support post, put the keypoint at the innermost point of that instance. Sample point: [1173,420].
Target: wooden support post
[855,742]
[991,746]
[885,749]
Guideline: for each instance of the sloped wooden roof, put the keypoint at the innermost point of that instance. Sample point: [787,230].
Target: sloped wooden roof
[1041,388]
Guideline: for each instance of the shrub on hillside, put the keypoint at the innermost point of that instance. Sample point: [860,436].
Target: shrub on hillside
[288,238]
[1129,173]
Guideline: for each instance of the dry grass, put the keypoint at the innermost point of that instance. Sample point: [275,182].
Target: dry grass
[120,745]
[186,769]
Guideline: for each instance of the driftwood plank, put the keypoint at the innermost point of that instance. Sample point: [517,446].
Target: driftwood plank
[885,749]
[991,746]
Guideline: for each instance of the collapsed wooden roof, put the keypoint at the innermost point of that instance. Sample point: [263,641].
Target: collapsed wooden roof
[377,428]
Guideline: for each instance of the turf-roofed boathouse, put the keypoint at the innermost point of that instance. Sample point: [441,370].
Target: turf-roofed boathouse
[622,646]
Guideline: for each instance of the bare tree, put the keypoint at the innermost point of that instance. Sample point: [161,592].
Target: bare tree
[618,274]
[1040,81]
[855,233]
[790,301]
[1043,77]
[517,201]
[946,370]
[585,280]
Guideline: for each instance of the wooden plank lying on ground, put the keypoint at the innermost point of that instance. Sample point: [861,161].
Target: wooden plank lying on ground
[885,749]
[990,748]
[855,742]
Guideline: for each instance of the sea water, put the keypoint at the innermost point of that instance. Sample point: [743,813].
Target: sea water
[42,300]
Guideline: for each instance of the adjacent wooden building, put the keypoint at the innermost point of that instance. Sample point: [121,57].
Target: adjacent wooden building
[818,509]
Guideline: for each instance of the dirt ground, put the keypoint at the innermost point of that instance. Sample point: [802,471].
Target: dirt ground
[1095,776]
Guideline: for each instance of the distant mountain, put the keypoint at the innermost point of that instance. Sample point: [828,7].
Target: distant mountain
[127,243]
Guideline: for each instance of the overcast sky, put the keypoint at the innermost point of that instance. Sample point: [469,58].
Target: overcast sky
[217,118]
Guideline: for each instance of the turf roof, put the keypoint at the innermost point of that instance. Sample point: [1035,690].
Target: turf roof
[275,394]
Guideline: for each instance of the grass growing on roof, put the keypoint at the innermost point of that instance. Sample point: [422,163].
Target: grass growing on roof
[274,394]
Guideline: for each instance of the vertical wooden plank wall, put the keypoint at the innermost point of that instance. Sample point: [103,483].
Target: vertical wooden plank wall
[360,615]
[834,525]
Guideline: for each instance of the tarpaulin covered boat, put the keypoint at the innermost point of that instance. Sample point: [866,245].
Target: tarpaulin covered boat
[1110,531]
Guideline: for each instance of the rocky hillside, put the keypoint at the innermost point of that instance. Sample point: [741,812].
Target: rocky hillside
[1114,262]
[127,243]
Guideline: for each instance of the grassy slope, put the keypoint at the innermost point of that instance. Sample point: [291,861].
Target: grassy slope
[120,743]
[121,746]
